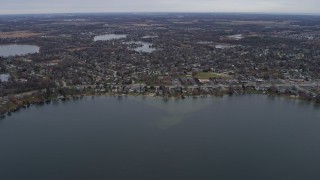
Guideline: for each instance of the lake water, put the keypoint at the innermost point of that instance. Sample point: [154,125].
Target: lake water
[142,46]
[236,37]
[108,37]
[16,49]
[244,137]
[4,77]
[147,37]
[223,46]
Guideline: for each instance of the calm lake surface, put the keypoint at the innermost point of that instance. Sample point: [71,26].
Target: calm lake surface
[4,77]
[236,37]
[142,46]
[108,37]
[145,47]
[223,46]
[244,137]
[16,49]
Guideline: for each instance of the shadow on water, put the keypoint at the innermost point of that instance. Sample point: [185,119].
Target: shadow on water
[175,111]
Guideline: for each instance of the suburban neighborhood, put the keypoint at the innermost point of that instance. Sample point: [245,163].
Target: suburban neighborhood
[165,55]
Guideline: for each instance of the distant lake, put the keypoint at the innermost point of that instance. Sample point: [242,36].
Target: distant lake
[142,46]
[241,137]
[147,37]
[223,46]
[108,37]
[4,77]
[16,49]
[236,37]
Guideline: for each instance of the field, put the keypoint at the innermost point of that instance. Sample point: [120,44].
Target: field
[207,75]
[18,34]
[77,49]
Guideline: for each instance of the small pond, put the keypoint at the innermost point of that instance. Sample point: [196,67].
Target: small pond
[108,37]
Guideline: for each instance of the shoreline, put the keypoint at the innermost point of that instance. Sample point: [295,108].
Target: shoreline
[4,112]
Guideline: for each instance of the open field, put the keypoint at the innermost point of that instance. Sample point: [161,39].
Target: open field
[77,49]
[18,34]
[256,22]
[207,75]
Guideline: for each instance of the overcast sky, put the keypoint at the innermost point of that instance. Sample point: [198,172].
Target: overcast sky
[72,6]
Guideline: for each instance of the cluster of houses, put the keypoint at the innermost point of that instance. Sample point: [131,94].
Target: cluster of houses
[190,57]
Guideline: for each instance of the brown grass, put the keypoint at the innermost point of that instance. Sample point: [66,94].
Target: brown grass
[77,49]
[263,23]
[55,61]
[18,34]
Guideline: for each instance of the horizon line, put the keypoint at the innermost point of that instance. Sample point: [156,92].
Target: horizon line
[169,12]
